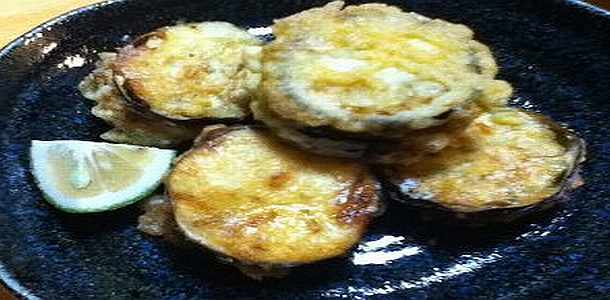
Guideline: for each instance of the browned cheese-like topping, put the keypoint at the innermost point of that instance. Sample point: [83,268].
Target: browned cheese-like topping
[131,126]
[506,158]
[253,198]
[372,68]
[191,71]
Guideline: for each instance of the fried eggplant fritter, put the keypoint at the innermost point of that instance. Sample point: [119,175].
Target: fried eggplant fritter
[371,69]
[507,158]
[161,89]
[250,197]
[191,71]
[130,124]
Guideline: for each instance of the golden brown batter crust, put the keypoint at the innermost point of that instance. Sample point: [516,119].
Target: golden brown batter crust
[242,193]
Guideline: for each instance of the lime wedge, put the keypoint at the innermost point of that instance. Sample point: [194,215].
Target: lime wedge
[85,177]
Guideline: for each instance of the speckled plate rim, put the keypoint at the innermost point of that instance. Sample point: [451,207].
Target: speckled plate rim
[19,41]
[6,278]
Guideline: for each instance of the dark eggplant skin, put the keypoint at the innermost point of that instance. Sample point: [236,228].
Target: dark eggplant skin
[139,106]
[429,209]
[158,74]
[132,119]
[426,210]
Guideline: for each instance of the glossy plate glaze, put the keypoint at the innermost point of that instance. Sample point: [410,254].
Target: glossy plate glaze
[555,53]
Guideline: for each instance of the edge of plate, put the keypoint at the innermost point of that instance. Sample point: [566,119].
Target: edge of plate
[4,51]
[6,278]
[587,6]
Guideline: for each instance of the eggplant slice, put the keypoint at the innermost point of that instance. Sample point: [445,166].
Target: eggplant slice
[191,71]
[164,87]
[131,126]
[337,144]
[245,195]
[371,69]
[506,163]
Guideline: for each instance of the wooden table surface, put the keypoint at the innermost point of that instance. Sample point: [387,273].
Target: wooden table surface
[18,16]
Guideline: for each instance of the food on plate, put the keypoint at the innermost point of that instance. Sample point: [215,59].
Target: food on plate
[247,196]
[86,177]
[415,146]
[342,76]
[191,71]
[507,160]
[354,88]
[162,87]
[131,126]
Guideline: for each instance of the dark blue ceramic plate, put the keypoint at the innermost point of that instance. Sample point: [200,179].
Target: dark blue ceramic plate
[556,54]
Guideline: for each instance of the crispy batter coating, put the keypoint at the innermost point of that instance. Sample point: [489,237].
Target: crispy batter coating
[372,69]
[131,126]
[247,196]
[191,71]
[505,159]
[324,145]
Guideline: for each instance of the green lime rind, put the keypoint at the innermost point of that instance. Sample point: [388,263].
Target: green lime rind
[145,186]
[48,198]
